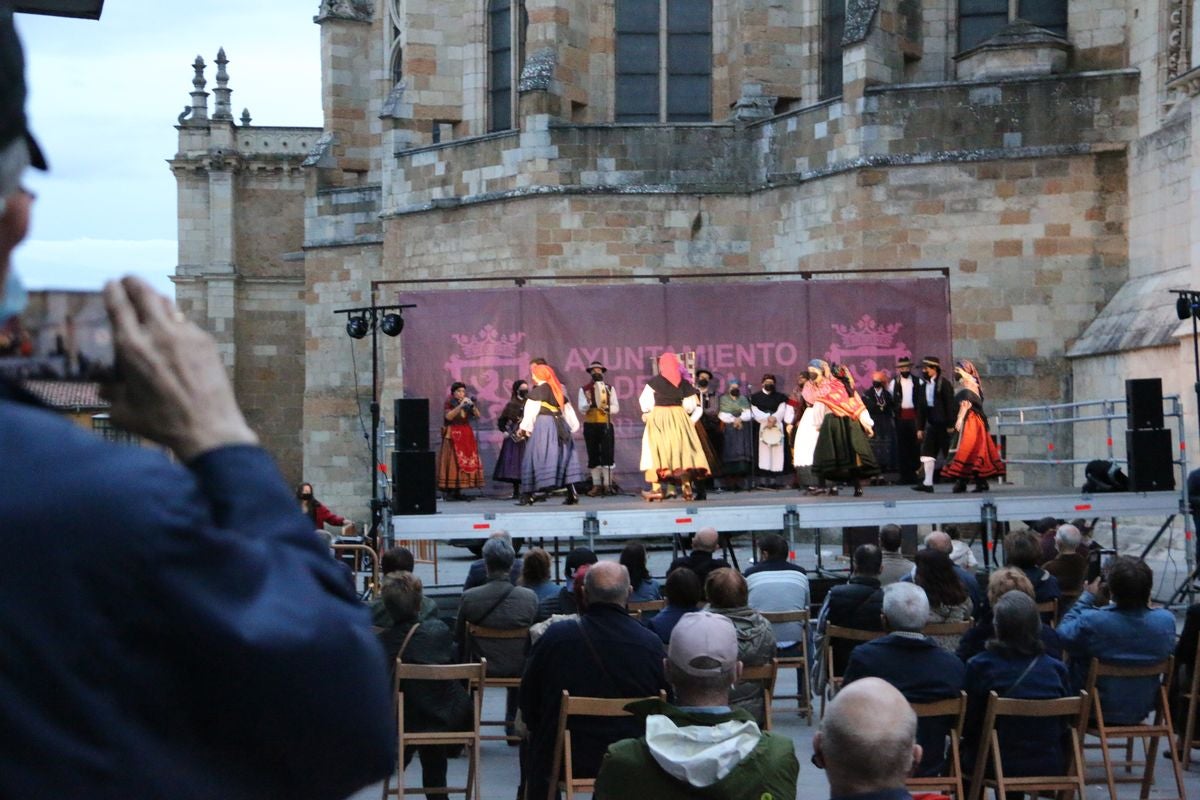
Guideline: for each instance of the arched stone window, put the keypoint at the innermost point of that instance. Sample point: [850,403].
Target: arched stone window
[395,51]
[663,61]
[506,36]
[979,20]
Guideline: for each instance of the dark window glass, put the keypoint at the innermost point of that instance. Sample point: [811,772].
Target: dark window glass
[637,60]
[689,60]
[833,27]
[979,20]
[1048,14]
[499,65]
[398,66]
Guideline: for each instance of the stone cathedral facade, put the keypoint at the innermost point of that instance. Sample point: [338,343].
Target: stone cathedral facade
[1038,152]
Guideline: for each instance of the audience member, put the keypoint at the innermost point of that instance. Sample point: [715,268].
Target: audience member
[563,602]
[701,560]
[645,588]
[729,597]
[867,742]
[428,706]
[960,552]
[1069,566]
[535,574]
[858,603]
[1185,664]
[394,562]
[948,599]
[895,566]
[1125,632]
[1002,581]
[1021,551]
[683,596]
[605,653]
[941,541]
[1043,531]
[477,573]
[577,583]
[701,747]
[1015,665]
[777,584]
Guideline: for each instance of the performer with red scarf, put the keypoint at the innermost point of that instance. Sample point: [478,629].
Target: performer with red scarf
[671,449]
[458,461]
[842,451]
[977,457]
[548,423]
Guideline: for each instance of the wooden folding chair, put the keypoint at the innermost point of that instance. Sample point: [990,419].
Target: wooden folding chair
[638,610]
[361,554]
[563,762]
[494,681]
[833,681]
[1049,610]
[803,696]
[1186,739]
[1150,733]
[474,675]
[1074,708]
[763,674]
[955,707]
[954,630]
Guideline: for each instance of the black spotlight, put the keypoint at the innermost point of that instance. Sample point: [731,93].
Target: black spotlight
[1183,306]
[391,324]
[356,327]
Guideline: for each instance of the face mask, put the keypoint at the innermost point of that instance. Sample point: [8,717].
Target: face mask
[877,384]
[735,392]
[15,298]
[522,393]
[598,377]
[768,387]
[702,383]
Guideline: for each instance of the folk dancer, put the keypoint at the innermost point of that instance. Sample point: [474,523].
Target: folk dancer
[977,457]
[773,415]
[548,422]
[671,450]
[798,406]
[708,428]
[458,461]
[880,402]
[512,446]
[935,420]
[598,402]
[843,452]
[808,430]
[906,389]
[737,435]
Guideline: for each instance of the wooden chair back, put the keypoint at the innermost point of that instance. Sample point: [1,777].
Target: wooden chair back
[955,707]
[764,675]
[1049,608]
[1075,709]
[833,681]
[581,707]
[646,605]
[497,634]
[803,695]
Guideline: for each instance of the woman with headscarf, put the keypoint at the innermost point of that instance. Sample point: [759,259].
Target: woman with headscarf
[977,457]
[808,430]
[549,420]
[671,450]
[458,461]
[737,455]
[512,447]
[842,452]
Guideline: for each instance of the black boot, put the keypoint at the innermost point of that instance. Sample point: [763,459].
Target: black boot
[516,495]
[960,486]
[572,496]
[526,499]
[980,485]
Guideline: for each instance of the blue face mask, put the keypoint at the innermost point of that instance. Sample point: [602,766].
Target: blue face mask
[15,297]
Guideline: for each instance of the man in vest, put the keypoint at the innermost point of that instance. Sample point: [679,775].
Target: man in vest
[598,402]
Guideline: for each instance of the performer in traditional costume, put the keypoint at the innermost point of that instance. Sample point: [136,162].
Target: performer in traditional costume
[906,388]
[977,457]
[708,428]
[880,403]
[548,422]
[935,419]
[598,403]
[808,429]
[458,461]
[843,452]
[798,407]
[773,415]
[737,435]
[512,446]
[671,450]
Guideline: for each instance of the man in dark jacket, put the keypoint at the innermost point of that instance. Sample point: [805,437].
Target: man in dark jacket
[913,663]
[701,560]
[605,653]
[936,414]
[564,601]
[857,603]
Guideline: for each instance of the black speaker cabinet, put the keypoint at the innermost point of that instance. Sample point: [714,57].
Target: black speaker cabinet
[414,483]
[1150,467]
[1144,403]
[412,424]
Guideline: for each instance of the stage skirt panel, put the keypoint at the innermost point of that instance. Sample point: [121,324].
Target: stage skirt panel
[977,456]
[508,463]
[738,452]
[548,463]
[843,451]
[670,447]
[458,460]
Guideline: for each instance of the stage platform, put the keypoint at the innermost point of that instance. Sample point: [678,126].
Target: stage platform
[786,510]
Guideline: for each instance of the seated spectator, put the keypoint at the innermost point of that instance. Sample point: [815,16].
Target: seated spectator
[1069,566]
[941,541]
[1021,551]
[867,742]
[857,603]
[701,747]
[428,707]
[1126,632]
[683,596]
[960,552]
[477,573]
[915,664]
[1044,531]
[645,588]
[700,560]
[948,600]
[1185,664]
[777,584]
[563,602]
[729,597]
[394,562]
[1002,581]
[538,628]
[535,574]
[1014,665]
[895,566]
[605,653]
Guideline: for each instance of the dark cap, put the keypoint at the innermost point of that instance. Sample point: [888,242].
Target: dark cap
[13,125]
[577,558]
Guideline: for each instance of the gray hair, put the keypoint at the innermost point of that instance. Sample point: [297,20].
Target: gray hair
[498,554]
[1068,537]
[906,606]
[607,582]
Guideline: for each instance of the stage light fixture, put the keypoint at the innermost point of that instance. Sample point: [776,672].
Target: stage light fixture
[1183,307]
[357,327]
[391,324]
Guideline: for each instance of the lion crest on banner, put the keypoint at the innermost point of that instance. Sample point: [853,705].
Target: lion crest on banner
[866,346]
[488,361]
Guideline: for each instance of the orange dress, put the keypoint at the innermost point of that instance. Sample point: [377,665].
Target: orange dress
[977,457]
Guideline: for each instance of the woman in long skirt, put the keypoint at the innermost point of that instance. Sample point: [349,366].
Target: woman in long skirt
[458,461]
[737,457]
[512,448]
[977,457]
[843,452]
[671,450]
[548,422]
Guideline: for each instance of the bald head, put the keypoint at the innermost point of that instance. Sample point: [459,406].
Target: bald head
[867,740]
[607,582]
[940,541]
[706,540]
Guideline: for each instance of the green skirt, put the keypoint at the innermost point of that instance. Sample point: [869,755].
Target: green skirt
[843,451]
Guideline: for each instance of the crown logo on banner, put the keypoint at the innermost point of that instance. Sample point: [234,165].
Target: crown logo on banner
[867,333]
[489,343]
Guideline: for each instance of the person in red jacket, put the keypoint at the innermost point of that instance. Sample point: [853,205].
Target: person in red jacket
[319,513]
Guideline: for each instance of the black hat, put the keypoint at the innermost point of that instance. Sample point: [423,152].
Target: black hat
[13,125]
[577,558]
[703,371]
[932,361]
[597,365]
[903,361]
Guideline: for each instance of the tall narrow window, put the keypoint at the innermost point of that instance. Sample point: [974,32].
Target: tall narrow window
[501,77]
[664,61]
[979,20]
[1048,14]
[833,27]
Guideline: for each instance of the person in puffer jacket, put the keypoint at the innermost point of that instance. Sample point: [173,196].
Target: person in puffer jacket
[702,747]
[728,596]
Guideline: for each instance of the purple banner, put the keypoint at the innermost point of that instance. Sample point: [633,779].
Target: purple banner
[486,339]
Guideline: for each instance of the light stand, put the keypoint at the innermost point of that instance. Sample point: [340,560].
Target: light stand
[359,322]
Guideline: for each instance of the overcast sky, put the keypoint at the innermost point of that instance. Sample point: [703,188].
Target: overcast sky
[104,97]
